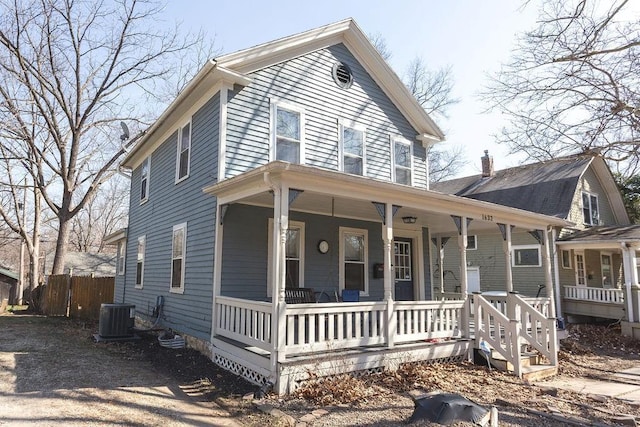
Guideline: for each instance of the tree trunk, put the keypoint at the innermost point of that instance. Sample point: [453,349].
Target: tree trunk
[34,256]
[61,244]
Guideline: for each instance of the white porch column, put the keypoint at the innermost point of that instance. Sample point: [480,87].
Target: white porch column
[548,282]
[629,256]
[462,245]
[506,247]
[217,267]
[441,261]
[556,274]
[278,275]
[387,240]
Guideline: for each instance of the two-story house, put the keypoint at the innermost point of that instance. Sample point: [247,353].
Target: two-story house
[594,260]
[293,165]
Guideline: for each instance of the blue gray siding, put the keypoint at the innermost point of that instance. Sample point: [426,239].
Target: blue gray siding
[170,204]
[307,82]
[245,252]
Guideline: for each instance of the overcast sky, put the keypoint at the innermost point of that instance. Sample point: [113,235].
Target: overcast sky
[472,36]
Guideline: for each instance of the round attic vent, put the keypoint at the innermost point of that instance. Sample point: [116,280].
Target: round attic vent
[342,75]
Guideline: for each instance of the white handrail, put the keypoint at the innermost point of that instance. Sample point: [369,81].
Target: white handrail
[246,321]
[539,331]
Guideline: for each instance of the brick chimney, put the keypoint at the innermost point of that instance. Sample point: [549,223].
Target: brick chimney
[487,165]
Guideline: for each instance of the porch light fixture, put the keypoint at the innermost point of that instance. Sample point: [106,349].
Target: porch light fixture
[409,219]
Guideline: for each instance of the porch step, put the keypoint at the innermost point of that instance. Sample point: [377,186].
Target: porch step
[533,368]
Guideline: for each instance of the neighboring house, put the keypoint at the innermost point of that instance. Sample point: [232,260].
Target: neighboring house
[8,286]
[86,264]
[594,261]
[294,165]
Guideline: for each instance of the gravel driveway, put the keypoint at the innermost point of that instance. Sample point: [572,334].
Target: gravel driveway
[51,377]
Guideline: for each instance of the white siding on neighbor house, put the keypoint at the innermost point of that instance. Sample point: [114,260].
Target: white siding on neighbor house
[170,204]
[307,82]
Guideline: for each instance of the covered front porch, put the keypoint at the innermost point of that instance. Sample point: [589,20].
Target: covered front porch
[285,226]
[597,271]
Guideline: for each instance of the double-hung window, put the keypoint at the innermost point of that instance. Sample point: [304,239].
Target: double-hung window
[472,242]
[178,255]
[144,179]
[526,256]
[352,148]
[287,133]
[121,257]
[184,152]
[402,161]
[354,260]
[590,212]
[294,256]
[566,259]
[140,262]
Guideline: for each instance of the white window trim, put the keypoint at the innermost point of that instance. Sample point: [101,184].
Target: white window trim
[562,251]
[402,140]
[179,290]
[341,154]
[275,104]
[475,240]
[292,224]
[148,160]
[590,207]
[141,240]
[515,248]
[178,152]
[122,256]
[365,233]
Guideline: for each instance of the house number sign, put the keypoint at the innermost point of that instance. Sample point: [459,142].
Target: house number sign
[486,217]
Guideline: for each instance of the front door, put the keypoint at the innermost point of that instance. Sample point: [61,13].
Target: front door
[403,269]
[473,279]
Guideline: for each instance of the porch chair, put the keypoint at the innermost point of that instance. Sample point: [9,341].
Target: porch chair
[299,296]
[350,295]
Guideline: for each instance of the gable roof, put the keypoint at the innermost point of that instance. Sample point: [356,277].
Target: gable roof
[546,187]
[234,68]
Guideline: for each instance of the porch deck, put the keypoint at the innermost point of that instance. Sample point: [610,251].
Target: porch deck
[329,338]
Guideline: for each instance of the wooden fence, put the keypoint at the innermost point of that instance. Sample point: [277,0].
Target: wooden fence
[78,297]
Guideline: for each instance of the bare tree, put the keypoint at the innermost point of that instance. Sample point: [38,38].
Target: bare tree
[573,85]
[434,92]
[81,67]
[101,216]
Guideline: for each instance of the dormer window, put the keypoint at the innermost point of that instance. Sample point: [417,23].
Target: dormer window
[590,212]
[287,133]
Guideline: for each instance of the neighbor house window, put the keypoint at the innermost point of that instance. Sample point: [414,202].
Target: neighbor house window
[178,253]
[402,163]
[606,270]
[121,257]
[566,259]
[472,242]
[294,256]
[590,211]
[354,259]
[144,179]
[288,133]
[352,149]
[140,262]
[526,256]
[581,279]
[184,152]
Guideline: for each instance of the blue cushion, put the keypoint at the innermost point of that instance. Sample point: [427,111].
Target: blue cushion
[350,295]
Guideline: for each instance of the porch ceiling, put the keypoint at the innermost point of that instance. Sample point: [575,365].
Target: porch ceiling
[328,192]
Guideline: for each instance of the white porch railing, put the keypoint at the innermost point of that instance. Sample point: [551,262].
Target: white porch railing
[522,323]
[583,293]
[310,328]
[246,321]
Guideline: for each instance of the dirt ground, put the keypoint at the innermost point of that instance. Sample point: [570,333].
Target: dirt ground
[52,373]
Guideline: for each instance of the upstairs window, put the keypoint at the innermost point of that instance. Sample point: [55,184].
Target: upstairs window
[288,133]
[140,262]
[144,179]
[352,149]
[590,211]
[402,164]
[184,153]
[178,252]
